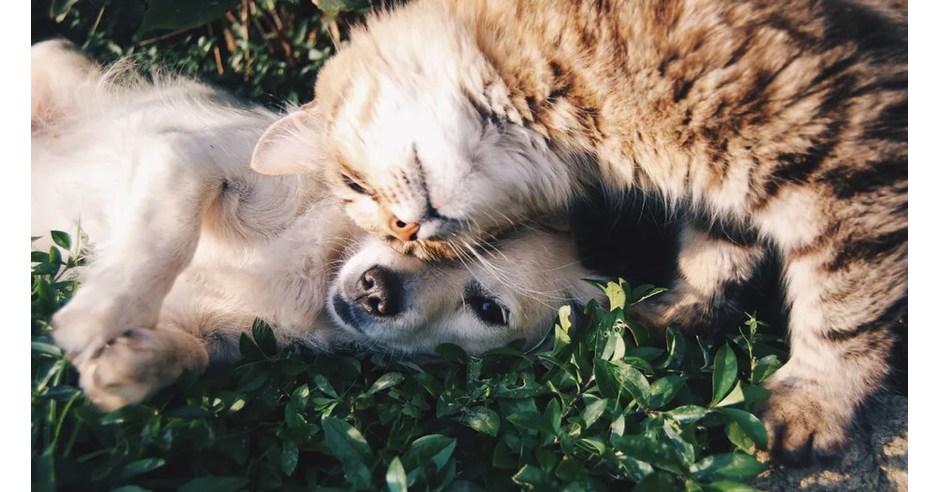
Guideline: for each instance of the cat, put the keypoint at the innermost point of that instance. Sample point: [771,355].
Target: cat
[190,248]
[768,127]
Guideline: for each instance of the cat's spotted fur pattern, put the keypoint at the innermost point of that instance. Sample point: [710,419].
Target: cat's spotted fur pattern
[782,121]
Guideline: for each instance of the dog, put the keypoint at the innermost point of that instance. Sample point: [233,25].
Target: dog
[189,246]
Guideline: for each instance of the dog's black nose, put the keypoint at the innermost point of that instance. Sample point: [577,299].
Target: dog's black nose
[378,292]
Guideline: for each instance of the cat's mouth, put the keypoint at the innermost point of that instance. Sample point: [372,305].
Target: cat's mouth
[423,249]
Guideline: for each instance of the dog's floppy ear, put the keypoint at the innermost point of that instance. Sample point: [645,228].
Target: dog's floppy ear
[292,145]
[58,71]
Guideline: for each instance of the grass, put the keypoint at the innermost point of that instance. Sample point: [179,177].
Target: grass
[600,408]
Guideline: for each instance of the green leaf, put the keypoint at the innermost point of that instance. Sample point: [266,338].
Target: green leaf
[395,477]
[182,14]
[635,469]
[451,352]
[562,337]
[729,466]
[188,412]
[482,420]
[58,8]
[615,347]
[593,412]
[289,457]
[687,414]
[734,397]
[616,294]
[62,239]
[644,292]
[264,337]
[350,448]
[658,482]
[736,435]
[571,469]
[214,484]
[723,486]
[385,381]
[725,373]
[684,448]
[749,424]
[55,256]
[323,385]
[46,348]
[531,420]
[434,448]
[553,415]
[139,467]
[332,8]
[675,342]
[753,394]
[593,445]
[657,453]
[616,376]
[664,389]
[532,476]
[249,348]
[765,367]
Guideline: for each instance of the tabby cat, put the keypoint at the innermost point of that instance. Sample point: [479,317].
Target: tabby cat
[773,126]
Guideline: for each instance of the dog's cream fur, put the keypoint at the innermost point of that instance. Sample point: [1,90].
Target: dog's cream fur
[190,247]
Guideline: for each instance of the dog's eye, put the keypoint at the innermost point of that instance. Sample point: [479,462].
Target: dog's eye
[353,185]
[489,310]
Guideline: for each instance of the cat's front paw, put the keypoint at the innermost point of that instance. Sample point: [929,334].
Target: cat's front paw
[693,315]
[804,427]
[130,368]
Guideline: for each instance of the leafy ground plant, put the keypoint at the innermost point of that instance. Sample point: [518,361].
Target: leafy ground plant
[265,50]
[598,407]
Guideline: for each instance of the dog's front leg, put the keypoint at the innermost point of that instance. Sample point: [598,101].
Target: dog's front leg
[153,237]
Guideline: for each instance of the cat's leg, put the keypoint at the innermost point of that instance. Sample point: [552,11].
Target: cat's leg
[714,263]
[138,363]
[847,288]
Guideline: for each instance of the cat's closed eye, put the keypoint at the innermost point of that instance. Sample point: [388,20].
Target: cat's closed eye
[354,186]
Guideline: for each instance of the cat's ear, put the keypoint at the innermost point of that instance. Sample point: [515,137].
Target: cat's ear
[292,145]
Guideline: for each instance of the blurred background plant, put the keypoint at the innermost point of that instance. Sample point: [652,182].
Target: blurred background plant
[265,50]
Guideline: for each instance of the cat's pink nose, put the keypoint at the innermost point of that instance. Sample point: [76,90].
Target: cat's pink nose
[405,231]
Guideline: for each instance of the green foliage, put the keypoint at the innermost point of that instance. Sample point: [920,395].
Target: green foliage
[593,410]
[260,49]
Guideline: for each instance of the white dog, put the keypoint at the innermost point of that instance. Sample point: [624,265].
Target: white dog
[189,246]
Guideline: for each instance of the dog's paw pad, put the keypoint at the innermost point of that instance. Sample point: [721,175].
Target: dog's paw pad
[128,369]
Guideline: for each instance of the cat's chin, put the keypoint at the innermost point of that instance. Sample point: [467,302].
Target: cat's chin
[423,249]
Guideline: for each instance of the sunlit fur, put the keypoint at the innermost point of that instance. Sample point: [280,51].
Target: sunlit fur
[189,247]
[783,122]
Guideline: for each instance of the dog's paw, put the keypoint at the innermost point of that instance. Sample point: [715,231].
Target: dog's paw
[129,368]
[94,317]
[804,427]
